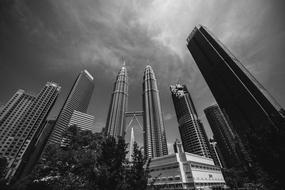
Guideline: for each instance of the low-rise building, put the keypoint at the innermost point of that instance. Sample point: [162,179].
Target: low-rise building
[183,170]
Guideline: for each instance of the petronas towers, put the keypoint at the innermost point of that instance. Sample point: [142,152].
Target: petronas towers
[154,133]
[155,144]
[116,125]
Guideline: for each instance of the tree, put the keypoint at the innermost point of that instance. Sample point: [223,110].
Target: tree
[89,161]
[139,173]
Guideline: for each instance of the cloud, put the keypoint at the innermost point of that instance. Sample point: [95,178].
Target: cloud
[53,38]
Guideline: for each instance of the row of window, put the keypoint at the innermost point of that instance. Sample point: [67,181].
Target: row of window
[165,168]
[205,167]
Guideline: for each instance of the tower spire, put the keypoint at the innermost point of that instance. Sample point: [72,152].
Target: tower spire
[124,61]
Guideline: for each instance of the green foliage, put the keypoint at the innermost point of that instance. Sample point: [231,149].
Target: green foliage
[235,177]
[90,161]
[138,173]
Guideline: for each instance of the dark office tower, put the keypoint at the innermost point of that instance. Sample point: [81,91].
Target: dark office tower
[224,135]
[155,144]
[115,124]
[192,132]
[20,142]
[78,99]
[253,112]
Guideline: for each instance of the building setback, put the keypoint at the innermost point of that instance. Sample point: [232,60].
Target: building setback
[77,99]
[116,122]
[253,112]
[23,134]
[192,132]
[155,144]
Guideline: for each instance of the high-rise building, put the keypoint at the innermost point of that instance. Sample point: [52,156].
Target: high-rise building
[253,112]
[224,135]
[192,132]
[77,99]
[19,142]
[38,148]
[215,154]
[155,144]
[11,115]
[116,123]
[82,120]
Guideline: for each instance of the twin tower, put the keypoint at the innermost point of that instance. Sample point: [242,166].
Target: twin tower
[155,144]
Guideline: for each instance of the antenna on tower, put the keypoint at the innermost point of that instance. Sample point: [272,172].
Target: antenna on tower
[123,60]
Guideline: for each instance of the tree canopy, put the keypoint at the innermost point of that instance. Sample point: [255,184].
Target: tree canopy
[89,161]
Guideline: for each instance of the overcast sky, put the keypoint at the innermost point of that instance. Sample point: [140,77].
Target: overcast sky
[52,40]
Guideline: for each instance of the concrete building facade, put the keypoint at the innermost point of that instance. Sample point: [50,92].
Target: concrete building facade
[20,140]
[184,170]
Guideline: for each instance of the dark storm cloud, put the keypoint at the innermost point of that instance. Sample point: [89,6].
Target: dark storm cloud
[52,40]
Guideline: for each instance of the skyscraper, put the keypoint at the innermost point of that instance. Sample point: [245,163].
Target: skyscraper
[192,132]
[215,154]
[11,115]
[20,140]
[224,135]
[253,112]
[155,144]
[78,99]
[116,123]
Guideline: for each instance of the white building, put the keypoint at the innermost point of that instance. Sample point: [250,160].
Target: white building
[184,170]
[82,120]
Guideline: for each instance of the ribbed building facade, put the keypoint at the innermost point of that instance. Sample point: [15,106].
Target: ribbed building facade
[19,143]
[192,132]
[253,112]
[82,120]
[116,123]
[155,144]
[224,135]
[78,99]
[10,117]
